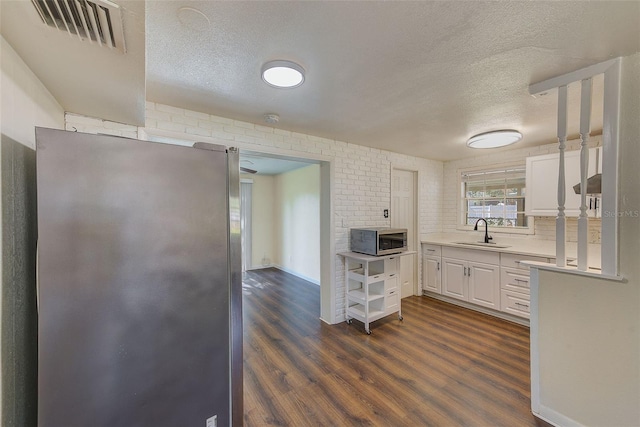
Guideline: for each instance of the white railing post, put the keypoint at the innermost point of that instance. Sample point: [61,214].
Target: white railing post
[609,252]
[585,130]
[561,237]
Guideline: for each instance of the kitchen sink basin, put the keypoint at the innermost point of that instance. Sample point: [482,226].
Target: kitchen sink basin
[482,245]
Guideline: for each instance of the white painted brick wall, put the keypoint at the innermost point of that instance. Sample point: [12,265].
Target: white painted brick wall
[75,122]
[362,175]
[546,229]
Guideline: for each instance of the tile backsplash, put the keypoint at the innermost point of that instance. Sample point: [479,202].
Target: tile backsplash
[545,228]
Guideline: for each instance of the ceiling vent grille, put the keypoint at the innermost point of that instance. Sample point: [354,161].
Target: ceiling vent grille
[98,21]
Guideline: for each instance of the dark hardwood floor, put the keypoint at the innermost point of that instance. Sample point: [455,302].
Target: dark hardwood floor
[442,366]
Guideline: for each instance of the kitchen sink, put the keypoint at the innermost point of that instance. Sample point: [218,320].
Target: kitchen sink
[483,245]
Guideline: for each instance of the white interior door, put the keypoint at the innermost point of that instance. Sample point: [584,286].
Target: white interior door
[403,215]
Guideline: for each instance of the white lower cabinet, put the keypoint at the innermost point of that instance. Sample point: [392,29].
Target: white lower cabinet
[454,278]
[431,268]
[471,275]
[514,303]
[514,283]
[432,274]
[496,280]
[484,284]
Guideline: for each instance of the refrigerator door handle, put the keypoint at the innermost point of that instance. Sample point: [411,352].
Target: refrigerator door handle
[235,282]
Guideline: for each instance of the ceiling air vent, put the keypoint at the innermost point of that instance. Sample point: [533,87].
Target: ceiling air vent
[98,21]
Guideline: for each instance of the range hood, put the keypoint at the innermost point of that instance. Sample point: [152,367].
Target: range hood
[594,182]
[594,185]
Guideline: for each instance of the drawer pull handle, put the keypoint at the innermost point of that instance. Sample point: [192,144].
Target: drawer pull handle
[465,271]
[519,304]
[521,281]
[431,250]
[391,275]
[438,268]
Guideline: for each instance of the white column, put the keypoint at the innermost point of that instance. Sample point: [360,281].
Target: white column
[585,130]
[561,237]
[610,141]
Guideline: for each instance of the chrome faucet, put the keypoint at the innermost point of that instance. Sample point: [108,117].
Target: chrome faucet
[486,229]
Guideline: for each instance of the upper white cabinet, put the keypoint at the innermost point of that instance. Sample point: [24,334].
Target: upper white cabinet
[541,197]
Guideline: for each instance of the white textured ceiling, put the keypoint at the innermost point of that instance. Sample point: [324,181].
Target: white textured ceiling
[411,77]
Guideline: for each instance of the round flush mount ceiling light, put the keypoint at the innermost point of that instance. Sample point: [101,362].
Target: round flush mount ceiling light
[494,139]
[283,74]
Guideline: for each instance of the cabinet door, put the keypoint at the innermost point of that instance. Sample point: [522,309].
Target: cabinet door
[392,295]
[484,284]
[541,197]
[454,278]
[431,274]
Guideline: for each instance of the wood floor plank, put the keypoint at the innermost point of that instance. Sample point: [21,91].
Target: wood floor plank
[442,366]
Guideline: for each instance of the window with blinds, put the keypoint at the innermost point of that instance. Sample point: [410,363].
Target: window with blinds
[495,195]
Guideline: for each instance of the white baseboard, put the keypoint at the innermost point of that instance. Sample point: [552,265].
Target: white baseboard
[295,273]
[555,418]
[260,267]
[501,315]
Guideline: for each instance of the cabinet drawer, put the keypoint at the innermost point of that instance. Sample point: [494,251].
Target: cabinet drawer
[475,255]
[514,303]
[431,250]
[391,284]
[514,279]
[392,301]
[391,265]
[513,260]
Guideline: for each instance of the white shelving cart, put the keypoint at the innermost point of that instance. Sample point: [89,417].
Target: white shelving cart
[372,286]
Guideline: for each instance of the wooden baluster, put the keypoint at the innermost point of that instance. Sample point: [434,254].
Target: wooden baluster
[561,237]
[585,130]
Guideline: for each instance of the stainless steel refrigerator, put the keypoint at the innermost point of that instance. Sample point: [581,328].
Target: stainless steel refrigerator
[139,283]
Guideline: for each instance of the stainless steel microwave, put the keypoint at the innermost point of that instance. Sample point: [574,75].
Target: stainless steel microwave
[378,241]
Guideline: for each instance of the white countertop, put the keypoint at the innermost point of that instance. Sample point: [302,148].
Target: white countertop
[519,246]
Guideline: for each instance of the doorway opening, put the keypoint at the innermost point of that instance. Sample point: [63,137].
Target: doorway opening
[290,218]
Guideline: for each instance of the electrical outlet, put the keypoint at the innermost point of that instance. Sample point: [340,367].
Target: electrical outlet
[386,213]
[212,421]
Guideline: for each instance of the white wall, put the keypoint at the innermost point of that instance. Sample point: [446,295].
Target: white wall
[297,207]
[589,329]
[544,226]
[26,103]
[263,240]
